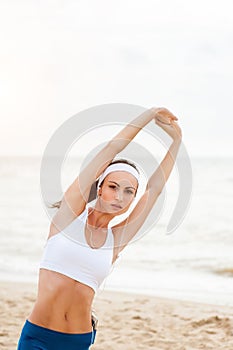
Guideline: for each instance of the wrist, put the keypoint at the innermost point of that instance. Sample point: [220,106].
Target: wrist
[177,140]
[143,119]
[154,111]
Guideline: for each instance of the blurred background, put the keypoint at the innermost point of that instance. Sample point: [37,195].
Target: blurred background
[59,58]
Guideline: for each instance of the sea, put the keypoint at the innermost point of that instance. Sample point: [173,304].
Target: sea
[193,263]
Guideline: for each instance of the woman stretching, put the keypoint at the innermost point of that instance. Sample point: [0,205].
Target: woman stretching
[81,247]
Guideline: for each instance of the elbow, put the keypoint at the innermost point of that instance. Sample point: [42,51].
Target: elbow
[115,146]
[158,191]
[155,189]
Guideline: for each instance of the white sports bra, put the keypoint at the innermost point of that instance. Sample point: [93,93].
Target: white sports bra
[68,253]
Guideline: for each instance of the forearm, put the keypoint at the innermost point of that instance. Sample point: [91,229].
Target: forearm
[103,158]
[127,134]
[162,173]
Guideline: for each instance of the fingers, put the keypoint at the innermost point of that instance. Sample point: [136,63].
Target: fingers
[164,119]
[172,123]
[164,114]
[166,122]
[160,122]
[171,128]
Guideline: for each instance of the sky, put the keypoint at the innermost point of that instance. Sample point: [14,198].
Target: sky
[58,58]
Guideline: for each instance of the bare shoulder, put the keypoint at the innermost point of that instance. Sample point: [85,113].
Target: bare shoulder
[63,217]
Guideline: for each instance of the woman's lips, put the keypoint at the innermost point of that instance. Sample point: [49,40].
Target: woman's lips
[116,206]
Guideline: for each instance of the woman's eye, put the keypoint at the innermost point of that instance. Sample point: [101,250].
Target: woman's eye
[129,192]
[112,186]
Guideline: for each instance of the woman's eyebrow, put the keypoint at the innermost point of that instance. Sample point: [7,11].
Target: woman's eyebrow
[119,185]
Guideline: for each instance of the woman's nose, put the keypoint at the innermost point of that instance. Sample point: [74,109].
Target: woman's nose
[119,195]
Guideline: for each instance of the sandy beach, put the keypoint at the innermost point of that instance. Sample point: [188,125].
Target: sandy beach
[130,321]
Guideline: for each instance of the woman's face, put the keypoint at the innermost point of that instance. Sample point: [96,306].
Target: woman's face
[117,192]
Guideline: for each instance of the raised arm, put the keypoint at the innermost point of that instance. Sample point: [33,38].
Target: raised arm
[76,196]
[127,229]
[159,178]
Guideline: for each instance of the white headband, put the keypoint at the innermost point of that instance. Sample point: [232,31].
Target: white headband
[119,167]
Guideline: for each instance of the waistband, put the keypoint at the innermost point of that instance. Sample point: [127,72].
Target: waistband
[56,340]
[36,328]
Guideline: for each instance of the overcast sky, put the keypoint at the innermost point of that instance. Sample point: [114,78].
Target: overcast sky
[60,57]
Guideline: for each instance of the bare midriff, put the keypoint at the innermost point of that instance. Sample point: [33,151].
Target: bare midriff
[62,304]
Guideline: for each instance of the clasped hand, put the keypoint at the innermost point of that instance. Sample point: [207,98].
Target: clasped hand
[168,122]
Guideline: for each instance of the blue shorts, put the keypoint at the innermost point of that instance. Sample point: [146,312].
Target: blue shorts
[34,337]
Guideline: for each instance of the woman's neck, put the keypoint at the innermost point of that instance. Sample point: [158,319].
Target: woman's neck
[98,219]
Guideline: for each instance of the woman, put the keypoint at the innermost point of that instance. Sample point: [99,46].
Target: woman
[74,263]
